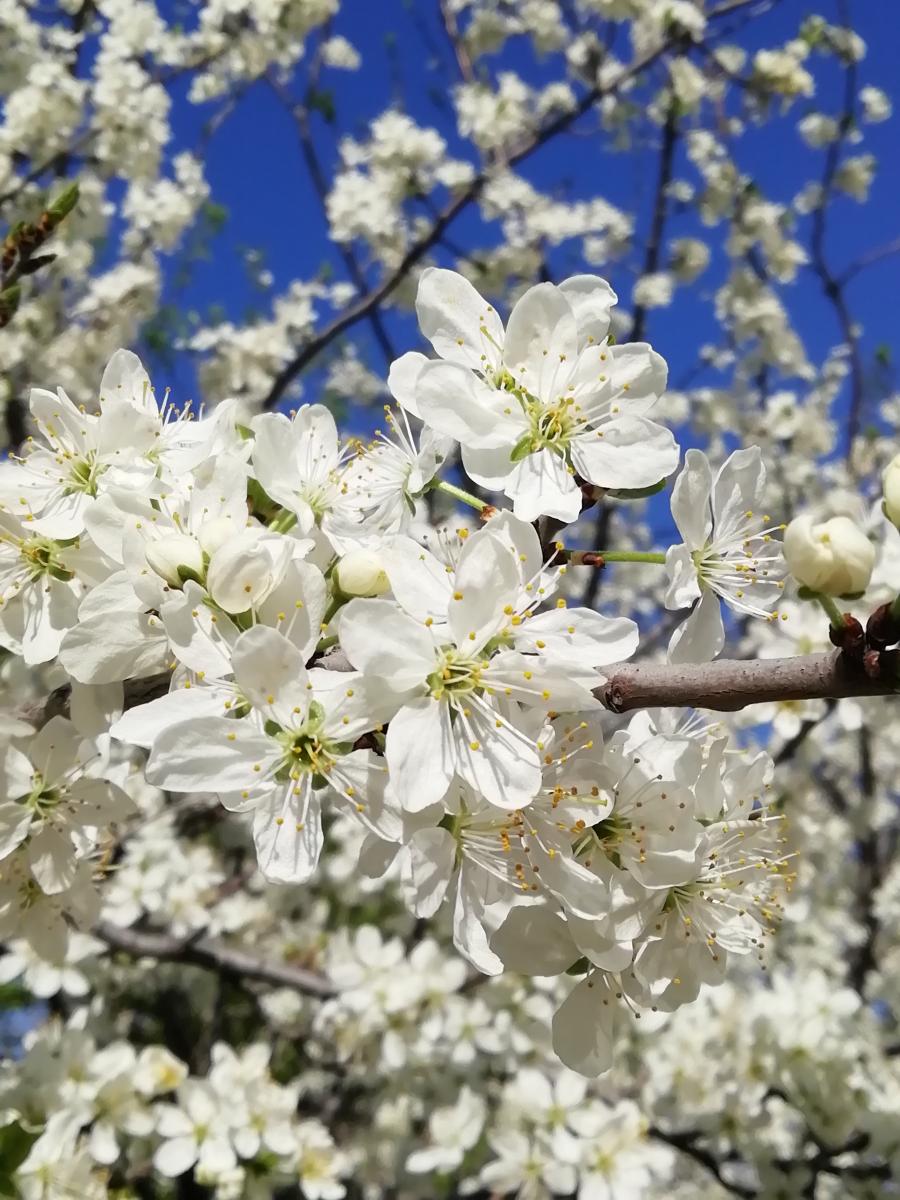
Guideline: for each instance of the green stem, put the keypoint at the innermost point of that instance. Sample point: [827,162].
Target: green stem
[835,616]
[464,497]
[283,522]
[895,608]
[333,605]
[325,643]
[638,556]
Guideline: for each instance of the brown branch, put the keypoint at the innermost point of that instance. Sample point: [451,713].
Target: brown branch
[869,873]
[687,1143]
[725,685]
[457,42]
[869,259]
[362,307]
[300,116]
[832,285]
[732,684]
[212,955]
[660,212]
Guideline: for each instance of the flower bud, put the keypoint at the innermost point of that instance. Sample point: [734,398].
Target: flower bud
[171,552]
[890,480]
[833,557]
[245,569]
[360,573]
[214,534]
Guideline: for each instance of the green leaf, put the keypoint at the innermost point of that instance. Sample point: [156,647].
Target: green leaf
[578,968]
[215,215]
[263,504]
[9,302]
[13,995]
[321,100]
[15,1142]
[63,204]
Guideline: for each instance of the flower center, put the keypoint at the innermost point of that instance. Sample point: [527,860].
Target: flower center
[83,474]
[41,556]
[41,799]
[455,675]
[612,831]
[550,426]
[304,750]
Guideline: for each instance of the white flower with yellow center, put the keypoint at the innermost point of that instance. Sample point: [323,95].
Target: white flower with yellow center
[299,461]
[542,403]
[728,552]
[731,904]
[78,456]
[386,477]
[460,681]
[290,741]
[40,588]
[54,802]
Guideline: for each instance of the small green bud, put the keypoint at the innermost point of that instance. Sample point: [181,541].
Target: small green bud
[63,204]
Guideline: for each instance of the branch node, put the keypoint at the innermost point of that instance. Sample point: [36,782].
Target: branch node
[882,628]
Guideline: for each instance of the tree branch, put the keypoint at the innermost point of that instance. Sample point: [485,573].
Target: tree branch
[725,685]
[732,684]
[300,116]
[687,1144]
[362,307]
[212,955]
[832,285]
[660,212]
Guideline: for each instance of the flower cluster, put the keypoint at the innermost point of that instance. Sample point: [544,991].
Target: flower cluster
[325,653]
[325,868]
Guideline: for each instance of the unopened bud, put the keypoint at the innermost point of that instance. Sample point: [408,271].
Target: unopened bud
[832,557]
[63,204]
[360,573]
[245,569]
[175,557]
[890,481]
[213,535]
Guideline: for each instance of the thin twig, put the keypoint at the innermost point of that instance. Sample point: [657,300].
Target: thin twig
[362,307]
[831,284]
[687,1144]
[212,955]
[300,115]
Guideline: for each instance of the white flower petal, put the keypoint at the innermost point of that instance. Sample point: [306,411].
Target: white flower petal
[403,379]
[583,1027]
[486,582]
[209,754]
[591,299]
[632,453]
[690,500]
[270,671]
[381,640]
[419,753]
[702,636]
[459,323]
[542,485]
[541,347]
[457,403]
[427,867]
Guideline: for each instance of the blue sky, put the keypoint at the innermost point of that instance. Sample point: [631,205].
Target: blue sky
[255,169]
